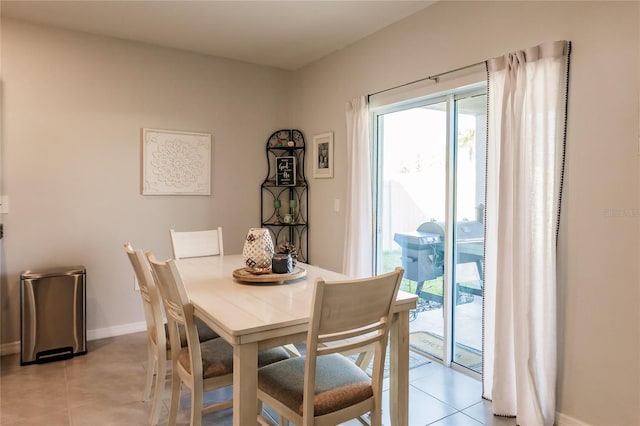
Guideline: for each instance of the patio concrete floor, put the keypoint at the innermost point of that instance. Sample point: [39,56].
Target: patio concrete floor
[468,320]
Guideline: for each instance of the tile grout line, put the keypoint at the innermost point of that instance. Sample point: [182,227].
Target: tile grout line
[66,388]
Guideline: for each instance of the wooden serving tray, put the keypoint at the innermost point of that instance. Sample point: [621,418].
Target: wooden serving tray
[243,274]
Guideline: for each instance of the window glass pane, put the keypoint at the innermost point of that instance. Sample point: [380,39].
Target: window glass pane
[412,192]
[469,230]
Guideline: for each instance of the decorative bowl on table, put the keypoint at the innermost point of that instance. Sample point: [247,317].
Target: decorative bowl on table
[245,276]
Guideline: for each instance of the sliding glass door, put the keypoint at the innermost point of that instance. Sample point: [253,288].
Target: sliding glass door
[429,215]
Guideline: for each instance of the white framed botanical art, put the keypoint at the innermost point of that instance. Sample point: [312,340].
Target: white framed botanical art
[323,155]
[176,162]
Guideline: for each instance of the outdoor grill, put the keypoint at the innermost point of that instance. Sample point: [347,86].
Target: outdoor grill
[423,252]
[469,236]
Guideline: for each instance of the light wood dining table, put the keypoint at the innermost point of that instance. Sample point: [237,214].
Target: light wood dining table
[252,316]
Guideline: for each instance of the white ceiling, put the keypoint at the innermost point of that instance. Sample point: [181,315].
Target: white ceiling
[283,34]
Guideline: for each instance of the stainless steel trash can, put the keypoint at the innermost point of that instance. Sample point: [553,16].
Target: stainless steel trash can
[53,314]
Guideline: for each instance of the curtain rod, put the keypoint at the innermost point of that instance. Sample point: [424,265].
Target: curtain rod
[434,77]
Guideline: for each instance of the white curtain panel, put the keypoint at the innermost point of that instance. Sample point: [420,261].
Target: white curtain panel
[358,247]
[526,131]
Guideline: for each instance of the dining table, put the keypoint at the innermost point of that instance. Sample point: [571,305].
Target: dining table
[252,316]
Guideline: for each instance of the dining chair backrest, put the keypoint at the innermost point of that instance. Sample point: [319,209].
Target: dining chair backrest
[151,300]
[176,302]
[156,334]
[187,244]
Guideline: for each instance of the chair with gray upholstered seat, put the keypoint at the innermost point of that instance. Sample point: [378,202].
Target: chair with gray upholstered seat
[325,387]
[199,366]
[158,344]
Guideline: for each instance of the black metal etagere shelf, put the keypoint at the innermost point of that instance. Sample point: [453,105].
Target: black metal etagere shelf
[285,193]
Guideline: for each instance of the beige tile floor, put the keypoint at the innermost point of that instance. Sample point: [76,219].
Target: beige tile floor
[104,387]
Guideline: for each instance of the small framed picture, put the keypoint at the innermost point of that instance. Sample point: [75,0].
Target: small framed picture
[286,171]
[323,155]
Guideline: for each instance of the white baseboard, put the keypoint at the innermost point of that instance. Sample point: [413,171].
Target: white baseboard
[10,348]
[100,333]
[119,330]
[564,420]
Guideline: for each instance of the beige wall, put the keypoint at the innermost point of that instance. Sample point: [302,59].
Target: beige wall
[73,107]
[599,300]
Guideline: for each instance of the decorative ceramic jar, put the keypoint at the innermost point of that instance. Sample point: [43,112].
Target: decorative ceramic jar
[258,250]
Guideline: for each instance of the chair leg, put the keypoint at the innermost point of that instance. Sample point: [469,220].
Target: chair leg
[196,403]
[151,368]
[376,416]
[161,377]
[175,397]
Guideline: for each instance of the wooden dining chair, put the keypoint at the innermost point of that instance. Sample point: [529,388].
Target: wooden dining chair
[156,336]
[201,366]
[196,243]
[158,343]
[325,387]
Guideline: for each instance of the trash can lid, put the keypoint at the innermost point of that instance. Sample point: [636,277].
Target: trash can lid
[53,272]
